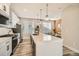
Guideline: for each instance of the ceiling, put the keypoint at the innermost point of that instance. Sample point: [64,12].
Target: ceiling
[32,10]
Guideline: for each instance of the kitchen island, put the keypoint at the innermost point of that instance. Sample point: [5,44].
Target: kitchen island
[47,45]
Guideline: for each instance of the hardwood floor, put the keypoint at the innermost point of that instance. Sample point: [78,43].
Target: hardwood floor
[68,52]
[24,48]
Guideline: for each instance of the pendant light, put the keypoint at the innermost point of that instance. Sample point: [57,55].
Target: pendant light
[46,16]
[46,11]
[40,14]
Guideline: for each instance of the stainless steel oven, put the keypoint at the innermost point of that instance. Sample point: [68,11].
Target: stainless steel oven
[14,42]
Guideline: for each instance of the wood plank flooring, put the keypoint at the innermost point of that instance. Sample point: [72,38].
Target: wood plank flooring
[68,52]
[24,48]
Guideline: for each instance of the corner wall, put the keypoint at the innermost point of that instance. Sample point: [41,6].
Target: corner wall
[70,27]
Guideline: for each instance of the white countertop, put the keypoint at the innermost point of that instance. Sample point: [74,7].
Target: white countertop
[42,38]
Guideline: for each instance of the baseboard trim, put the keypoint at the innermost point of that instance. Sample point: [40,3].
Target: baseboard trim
[77,51]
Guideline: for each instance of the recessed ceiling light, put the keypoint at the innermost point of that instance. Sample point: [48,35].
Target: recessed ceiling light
[59,8]
[25,10]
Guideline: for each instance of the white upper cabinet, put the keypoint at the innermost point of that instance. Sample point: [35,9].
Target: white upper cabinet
[1,7]
[14,20]
[5,9]
[4,14]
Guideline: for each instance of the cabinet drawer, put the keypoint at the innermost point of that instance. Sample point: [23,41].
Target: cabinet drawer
[0,50]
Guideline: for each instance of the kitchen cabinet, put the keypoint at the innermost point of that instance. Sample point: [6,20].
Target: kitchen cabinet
[33,46]
[1,6]
[5,46]
[5,8]
[1,49]
[4,14]
[8,46]
[14,20]
[2,52]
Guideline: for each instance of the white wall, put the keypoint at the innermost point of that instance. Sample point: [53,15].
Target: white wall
[70,29]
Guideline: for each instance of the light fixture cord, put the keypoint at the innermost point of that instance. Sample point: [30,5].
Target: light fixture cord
[40,13]
[47,10]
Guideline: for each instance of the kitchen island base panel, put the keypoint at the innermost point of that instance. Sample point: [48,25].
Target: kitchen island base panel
[53,47]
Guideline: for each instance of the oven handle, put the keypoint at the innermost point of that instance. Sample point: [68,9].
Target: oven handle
[14,38]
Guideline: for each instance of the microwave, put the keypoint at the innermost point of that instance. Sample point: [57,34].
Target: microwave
[3,19]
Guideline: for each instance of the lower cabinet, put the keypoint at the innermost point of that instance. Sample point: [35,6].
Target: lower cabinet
[6,47]
[1,49]
[33,46]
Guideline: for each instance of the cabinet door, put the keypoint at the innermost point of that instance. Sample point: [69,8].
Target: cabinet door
[1,50]
[15,19]
[6,8]
[1,6]
[8,47]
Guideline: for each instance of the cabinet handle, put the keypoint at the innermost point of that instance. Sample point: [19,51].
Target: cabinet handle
[4,8]
[7,47]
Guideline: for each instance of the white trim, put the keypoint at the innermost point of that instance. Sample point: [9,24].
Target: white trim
[73,49]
